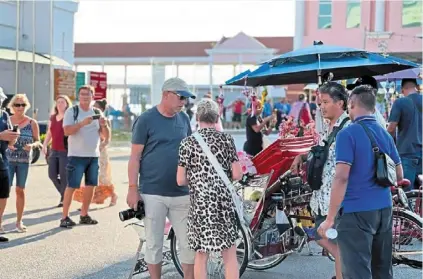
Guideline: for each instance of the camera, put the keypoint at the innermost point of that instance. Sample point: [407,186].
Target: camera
[131,213]
[15,128]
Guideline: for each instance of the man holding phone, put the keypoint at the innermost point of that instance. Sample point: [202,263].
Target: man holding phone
[7,136]
[84,125]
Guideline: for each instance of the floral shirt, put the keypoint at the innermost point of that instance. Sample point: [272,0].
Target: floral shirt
[320,199]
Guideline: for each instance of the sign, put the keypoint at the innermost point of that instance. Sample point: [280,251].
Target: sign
[64,83]
[80,81]
[98,80]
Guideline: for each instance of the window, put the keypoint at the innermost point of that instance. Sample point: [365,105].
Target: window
[353,13]
[325,14]
[411,13]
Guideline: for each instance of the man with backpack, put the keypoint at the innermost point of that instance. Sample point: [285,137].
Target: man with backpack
[322,161]
[83,126]
[406,115]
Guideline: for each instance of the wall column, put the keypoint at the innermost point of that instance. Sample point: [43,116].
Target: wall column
[380,16]
[299,23]
[158,74]
[125,78]
[211,74]
[177,70]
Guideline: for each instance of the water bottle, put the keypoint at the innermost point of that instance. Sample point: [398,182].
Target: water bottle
[331,233]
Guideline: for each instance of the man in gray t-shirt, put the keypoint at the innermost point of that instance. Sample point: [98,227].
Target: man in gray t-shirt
[152,167]
[85,126]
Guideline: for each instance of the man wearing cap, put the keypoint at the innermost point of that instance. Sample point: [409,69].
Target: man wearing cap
[406,115]
[156,135]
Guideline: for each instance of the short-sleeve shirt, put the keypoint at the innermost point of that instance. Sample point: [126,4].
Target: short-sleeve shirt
[85,142]
[407,112]
[353,147]
[4,125]
[161,137]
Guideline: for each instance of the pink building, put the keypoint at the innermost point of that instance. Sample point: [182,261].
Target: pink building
[389,26]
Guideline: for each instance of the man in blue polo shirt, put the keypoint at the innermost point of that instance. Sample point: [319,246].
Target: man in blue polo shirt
[364,222]
[406,115]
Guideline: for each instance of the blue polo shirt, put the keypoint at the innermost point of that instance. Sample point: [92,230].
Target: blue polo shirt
[353,147]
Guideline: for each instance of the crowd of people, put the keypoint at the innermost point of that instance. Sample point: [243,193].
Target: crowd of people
[186,176]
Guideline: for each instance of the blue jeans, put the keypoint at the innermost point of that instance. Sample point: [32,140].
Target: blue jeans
[21,171]
[82,166]
[412,168]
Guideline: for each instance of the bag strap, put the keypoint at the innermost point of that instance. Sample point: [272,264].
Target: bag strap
[75,113]
[375,148]
[335,131]
[218,169]
[213,160]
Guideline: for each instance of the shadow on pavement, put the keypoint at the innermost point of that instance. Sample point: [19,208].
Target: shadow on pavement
[30,238]
[13,215]
[122,270]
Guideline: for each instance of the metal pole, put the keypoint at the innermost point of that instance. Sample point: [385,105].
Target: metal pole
[18,26]
[51,93]
[33,58]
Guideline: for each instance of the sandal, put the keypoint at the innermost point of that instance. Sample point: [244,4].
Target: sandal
[21,228]
[2,231]
[87,220]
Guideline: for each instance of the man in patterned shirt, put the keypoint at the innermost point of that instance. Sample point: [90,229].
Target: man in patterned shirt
[333,107]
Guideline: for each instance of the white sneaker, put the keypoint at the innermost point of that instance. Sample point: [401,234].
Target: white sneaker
[20,227]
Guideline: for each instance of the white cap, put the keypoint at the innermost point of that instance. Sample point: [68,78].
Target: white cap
[179,86]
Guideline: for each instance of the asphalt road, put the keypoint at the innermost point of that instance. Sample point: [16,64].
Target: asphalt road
[106,251]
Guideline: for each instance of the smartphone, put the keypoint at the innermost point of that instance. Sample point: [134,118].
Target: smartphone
[15,128]
[96,117]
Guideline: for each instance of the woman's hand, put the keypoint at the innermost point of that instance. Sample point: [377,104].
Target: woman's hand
[11,147]
[45,150]
[28,147]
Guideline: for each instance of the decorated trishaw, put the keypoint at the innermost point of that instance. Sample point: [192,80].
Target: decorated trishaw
[267,236]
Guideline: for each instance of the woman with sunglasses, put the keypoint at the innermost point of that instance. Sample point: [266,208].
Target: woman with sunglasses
[58,157]
[20,154]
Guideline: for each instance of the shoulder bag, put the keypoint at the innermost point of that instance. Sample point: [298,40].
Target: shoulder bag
[235,198]
[385,169]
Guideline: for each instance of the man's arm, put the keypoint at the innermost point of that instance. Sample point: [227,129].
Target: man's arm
[394,118]
[344,150]
[69,125]
[134,164]
[339,187]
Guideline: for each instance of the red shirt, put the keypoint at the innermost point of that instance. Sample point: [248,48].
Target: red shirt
[237,108]
[57,134]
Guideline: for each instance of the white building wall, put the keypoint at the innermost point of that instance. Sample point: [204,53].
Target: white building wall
[63,26]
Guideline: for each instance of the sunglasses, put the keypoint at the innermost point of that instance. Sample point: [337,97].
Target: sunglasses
[181,98]
[19,105]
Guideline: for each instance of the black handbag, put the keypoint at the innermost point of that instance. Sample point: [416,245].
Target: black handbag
[317,158]
[385,169]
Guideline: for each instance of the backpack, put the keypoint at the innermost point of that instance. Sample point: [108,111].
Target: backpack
[317,158]
[75,110]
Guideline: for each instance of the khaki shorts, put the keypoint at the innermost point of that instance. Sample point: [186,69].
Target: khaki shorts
[157,208]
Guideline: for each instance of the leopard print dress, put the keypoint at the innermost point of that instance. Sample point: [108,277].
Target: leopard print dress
[211,219]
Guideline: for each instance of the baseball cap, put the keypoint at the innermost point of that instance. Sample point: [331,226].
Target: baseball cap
[179,86]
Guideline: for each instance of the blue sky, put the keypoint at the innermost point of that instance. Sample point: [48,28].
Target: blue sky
[175,20]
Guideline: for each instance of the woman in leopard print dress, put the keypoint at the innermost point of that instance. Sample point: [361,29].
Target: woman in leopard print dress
[212,223]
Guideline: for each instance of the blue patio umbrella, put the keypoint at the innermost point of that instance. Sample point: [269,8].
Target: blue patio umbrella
[238,76]
[410,73]
[310,64]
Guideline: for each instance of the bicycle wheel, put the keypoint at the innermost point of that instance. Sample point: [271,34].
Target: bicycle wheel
[406,241]
[415,198]
[259,258]
[215,268]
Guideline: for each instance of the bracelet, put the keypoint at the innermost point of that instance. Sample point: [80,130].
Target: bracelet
[133,186]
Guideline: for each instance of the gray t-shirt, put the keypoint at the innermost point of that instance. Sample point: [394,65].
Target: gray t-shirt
[86,142]
[161,137]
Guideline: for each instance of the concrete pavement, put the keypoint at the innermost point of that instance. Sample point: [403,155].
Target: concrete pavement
[105,251]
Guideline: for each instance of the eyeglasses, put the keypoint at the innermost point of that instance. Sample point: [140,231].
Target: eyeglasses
[181,98]
[19,105]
